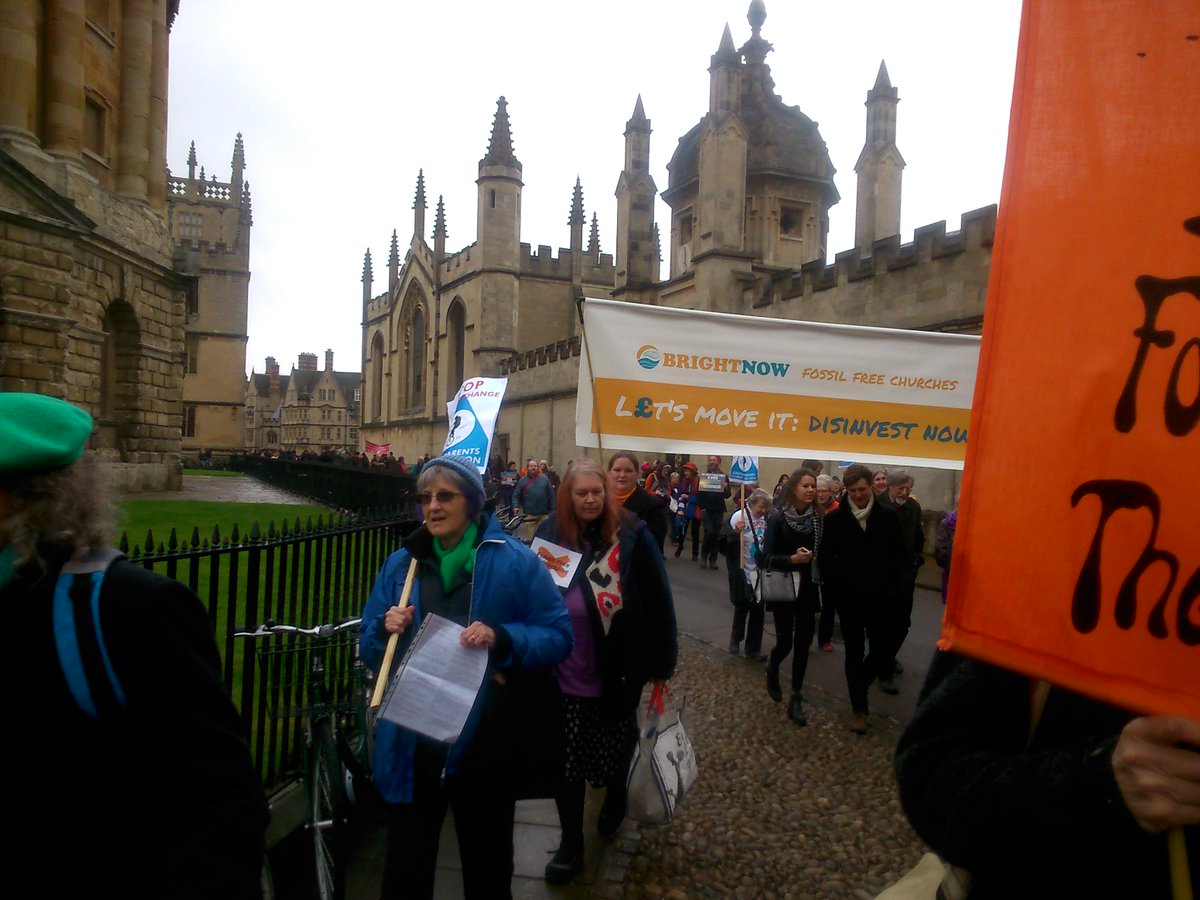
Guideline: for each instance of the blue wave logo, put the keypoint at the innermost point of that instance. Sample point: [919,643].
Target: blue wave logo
[648,356]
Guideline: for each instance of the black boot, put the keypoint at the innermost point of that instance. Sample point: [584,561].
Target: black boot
[566,863]
[773,689]
[796,711]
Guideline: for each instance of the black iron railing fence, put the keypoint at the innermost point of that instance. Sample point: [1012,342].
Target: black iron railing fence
[300,573]
[341,485]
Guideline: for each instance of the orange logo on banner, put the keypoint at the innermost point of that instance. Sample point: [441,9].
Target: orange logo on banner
[1077,556]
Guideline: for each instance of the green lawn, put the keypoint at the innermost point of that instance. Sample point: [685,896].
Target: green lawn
[160,516]
[216,473]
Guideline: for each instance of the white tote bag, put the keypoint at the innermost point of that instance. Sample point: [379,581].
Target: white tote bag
[664,764]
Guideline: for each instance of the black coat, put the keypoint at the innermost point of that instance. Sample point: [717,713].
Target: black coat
[652,510]
[862,566]
[157,799]
[1044,822]
[911,529]
[780,541]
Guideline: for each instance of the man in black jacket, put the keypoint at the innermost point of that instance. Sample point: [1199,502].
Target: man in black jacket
[861,559]
[714,491]
[899,497]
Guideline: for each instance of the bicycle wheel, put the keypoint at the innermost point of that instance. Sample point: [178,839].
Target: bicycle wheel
[327,812]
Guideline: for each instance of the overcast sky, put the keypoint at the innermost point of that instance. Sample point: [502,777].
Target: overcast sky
[339,110]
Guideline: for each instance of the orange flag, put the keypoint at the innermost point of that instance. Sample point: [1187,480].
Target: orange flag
[1077,553]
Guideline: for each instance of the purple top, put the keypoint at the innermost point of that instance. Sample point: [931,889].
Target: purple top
[577,674]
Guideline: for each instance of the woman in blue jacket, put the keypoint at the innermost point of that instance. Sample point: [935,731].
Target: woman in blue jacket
[470,572]
[623,617]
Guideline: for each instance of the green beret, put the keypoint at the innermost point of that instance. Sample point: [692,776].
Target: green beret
[39,432]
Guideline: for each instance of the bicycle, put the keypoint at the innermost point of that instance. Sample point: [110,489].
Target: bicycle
[337,728]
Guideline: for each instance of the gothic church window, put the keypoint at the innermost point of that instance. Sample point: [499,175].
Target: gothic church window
[416,357]
[377,377]
[456,325]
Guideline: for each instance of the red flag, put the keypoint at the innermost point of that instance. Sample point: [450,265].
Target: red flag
[378,448]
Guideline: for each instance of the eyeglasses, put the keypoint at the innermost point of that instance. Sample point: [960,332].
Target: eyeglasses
[442,497]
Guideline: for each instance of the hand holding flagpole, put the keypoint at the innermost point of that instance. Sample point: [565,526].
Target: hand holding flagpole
[381,679]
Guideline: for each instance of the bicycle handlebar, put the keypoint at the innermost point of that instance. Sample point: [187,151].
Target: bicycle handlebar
[270,627]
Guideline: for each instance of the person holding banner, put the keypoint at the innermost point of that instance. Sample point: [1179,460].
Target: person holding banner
[464,568]
[750,526]
[791,543]
[1043,794]
[862,557]
[711,496]
[623,616]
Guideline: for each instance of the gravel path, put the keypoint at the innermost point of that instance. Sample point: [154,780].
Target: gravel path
[777,811]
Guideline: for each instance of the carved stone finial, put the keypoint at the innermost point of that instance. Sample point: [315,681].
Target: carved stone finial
[756,15]
[419,200]
[500,146]
[594,238]
[439,220]
[367,275]
[577,217]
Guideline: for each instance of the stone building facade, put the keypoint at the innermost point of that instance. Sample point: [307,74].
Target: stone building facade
[210,224]
[91,305]
[308,410]
[749,188]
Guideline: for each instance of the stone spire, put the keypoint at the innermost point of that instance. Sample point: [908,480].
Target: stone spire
[192,161]
[576,219]
[657,247]
[439,229]
[500,147]
[726,54]
[238,163]
[594,239]
[638,121]
[366,276]
[880,167]
[246,215]
[419,206]
[394,262]
[724,77]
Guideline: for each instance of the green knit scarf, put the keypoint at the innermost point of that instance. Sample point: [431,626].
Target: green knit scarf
[460,559]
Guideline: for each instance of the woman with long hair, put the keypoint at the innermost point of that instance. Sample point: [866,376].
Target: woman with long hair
[623,618]
[791,543]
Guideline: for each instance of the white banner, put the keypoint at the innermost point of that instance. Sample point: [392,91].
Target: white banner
[472,415]
[716,383]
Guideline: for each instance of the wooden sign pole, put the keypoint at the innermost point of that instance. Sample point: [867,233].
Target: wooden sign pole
[381,679]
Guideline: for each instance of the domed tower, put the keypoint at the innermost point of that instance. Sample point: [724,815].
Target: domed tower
[753,179]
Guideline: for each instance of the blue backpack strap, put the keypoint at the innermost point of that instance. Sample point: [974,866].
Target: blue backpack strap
[79,638]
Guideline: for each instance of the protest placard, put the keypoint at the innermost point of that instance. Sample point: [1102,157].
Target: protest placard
[1075,556]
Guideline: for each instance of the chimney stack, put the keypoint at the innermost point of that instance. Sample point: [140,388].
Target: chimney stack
[273,374]
[328,360]
[308,362]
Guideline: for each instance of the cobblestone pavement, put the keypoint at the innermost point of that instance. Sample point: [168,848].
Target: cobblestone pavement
[778,811]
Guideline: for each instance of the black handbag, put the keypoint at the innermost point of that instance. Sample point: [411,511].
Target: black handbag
[772,586]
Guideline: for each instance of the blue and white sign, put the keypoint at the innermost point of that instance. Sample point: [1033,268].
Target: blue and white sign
[744,470]
[473,413]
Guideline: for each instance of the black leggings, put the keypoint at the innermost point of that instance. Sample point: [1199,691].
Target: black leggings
[795,624]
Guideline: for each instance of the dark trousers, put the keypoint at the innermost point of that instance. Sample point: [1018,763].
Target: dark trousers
[901,617]
[748,616]
[712,535]
[483,821]
[864,620]
[828,609]
[794,627]
[681,536]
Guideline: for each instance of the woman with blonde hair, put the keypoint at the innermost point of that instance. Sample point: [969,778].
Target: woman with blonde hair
[623,619]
